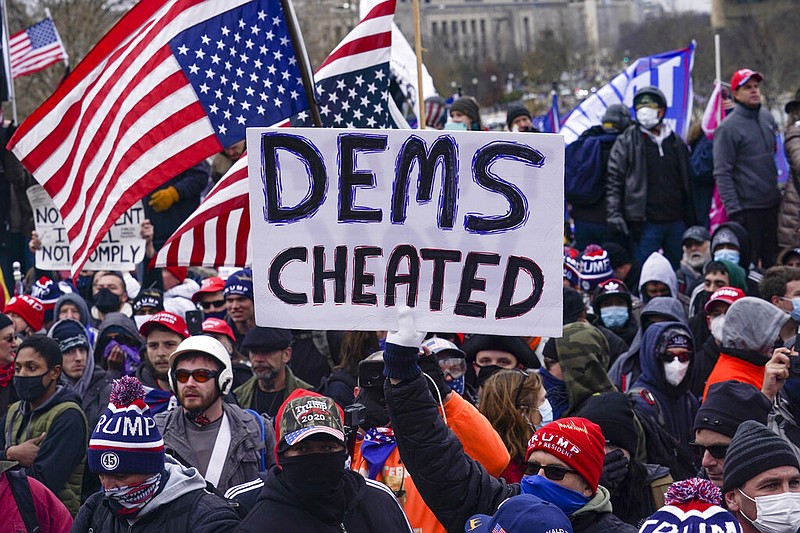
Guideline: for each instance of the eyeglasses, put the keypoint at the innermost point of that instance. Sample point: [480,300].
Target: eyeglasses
[551,472]
[215,303]
[200,375]
[683,357]
[10,338]
[717,451]
[455,367]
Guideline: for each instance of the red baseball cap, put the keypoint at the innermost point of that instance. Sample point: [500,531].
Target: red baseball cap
[209,285]
[724,294]
[168,320]
[743,75]
[216,325]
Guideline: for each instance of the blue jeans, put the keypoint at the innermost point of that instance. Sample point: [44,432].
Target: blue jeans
[657,236]
[587,233]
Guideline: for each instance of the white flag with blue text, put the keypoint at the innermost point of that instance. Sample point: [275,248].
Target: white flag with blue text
[671,72]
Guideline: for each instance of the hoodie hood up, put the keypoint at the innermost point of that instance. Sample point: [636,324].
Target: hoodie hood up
[653,376]
[76,300]
[180,480]
[744,242]
[752,324]
[658,268]
[583,355]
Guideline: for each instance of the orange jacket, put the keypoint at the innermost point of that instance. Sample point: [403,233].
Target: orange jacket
[732,368]
[480,441]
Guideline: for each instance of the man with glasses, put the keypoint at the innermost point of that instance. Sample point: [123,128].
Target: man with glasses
[726,406]
[8,341]
[227,445]
[564,457]
[648,189]
[210,298]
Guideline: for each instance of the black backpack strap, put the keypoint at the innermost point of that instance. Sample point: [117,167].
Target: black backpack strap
[21,490]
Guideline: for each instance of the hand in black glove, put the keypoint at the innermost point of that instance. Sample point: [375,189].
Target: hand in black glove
[429,364]
[617,225]
[615,469]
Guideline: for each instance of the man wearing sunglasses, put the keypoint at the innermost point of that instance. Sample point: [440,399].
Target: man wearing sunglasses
[648,189]
[210,298]
[662,390]
[564,458]
[726,406]
[218,438]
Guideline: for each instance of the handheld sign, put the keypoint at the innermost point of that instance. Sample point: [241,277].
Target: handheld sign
[464,227]
[121,248]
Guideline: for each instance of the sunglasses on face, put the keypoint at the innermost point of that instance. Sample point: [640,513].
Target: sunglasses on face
[215,303]
[717,452]
[200,375]
[10,338]
[551,472]
[683,357]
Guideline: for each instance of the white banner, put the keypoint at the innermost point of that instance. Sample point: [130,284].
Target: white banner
[465,227]
[121,248]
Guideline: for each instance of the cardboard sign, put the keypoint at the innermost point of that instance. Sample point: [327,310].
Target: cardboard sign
[121,248]
[464,227]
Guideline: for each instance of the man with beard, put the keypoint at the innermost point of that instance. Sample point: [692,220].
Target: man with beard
[269,350]
[696,254]
[220,439]
[310,490]
[162,333]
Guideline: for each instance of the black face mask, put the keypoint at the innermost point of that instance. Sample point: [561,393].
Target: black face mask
[486,372]
[106,301]
[29,388]
[317,480]
[376,416]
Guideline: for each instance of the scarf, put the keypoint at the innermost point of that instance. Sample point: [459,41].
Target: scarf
[378,445]
[132,356]
[6,374]
[556,392]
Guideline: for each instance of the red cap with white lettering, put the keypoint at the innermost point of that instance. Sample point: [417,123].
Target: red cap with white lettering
[577,442]
[167,320]
[724,294]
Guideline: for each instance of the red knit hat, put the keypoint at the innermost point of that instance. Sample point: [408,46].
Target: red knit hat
[578,442]
[29,308]
[179,272]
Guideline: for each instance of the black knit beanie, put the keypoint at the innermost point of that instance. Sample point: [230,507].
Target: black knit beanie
[729,403]
[516,110]
[612,411]
[468,106]
[754,450]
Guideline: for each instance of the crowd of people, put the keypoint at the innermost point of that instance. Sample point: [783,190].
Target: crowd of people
[670,403]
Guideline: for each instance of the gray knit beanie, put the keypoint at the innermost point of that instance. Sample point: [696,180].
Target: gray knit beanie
[468,106]
[754,450]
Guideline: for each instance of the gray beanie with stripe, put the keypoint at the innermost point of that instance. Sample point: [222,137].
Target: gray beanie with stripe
[754,450]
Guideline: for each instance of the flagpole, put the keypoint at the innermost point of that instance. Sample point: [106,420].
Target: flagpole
[718,73]
[7,63]
[418,49]
[302,56]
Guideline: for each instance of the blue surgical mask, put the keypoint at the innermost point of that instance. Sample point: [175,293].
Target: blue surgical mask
[565,499]
[795,314]
[727,254]
[614,316]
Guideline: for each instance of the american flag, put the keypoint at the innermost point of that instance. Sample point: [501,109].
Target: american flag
[173,82]
[35,48]
[218,232]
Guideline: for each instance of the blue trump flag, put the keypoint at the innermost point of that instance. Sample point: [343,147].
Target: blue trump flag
[551,121]
[671,72]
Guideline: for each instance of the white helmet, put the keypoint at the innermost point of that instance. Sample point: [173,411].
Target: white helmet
[211,347]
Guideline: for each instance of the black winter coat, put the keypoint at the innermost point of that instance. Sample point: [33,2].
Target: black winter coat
[453,485]
[371,508]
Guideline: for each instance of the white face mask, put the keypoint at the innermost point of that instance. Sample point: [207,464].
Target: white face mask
[546,411]
[777,513]
[675,371]
[715,326]
[648,117]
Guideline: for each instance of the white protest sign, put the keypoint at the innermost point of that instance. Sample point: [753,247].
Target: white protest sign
[465,227]
[121,248]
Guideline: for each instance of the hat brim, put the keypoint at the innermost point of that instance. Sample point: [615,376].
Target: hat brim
[478,523]
[303,433]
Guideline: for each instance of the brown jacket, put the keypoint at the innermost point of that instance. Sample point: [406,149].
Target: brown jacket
[789,212]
